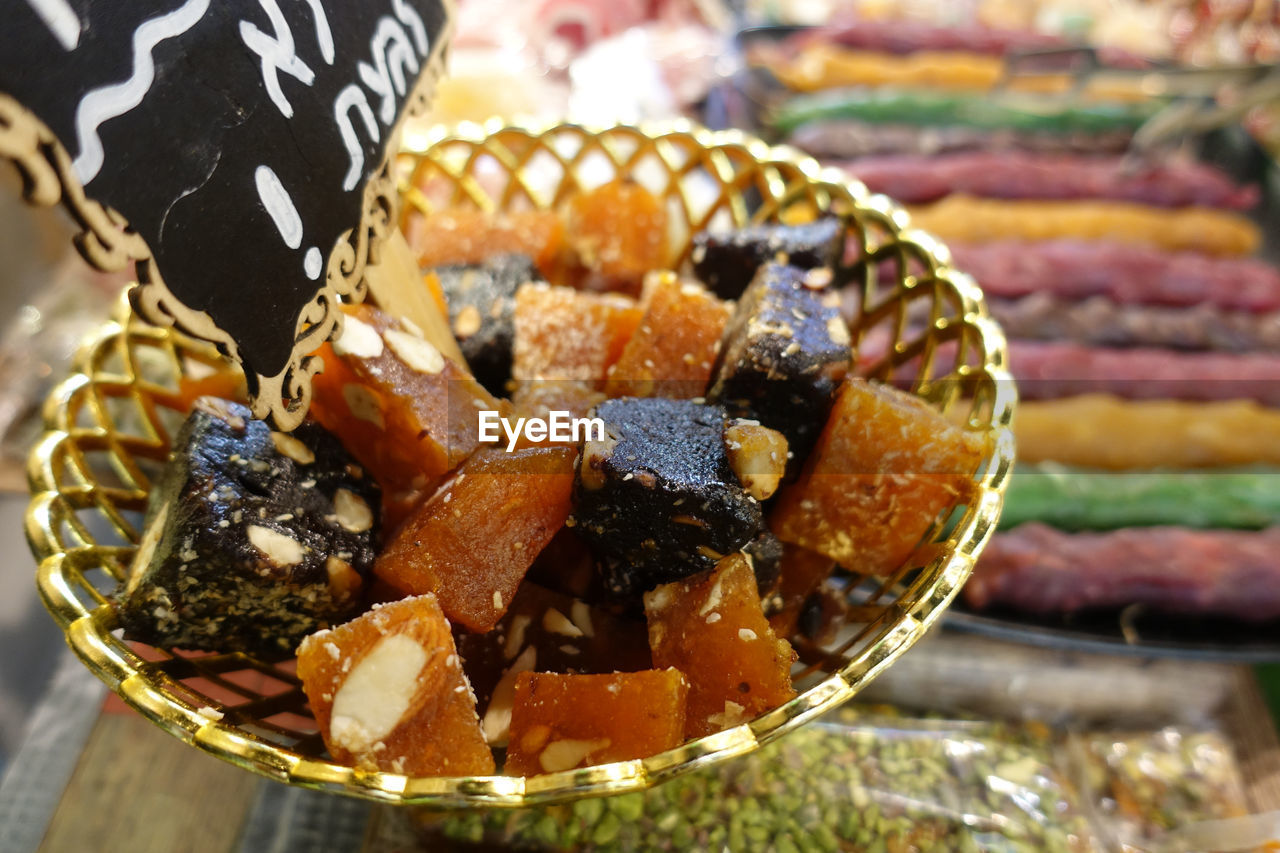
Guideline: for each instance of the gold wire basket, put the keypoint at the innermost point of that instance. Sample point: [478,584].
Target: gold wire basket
[109,426]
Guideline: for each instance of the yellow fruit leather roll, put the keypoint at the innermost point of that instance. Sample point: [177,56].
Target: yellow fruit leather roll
[965,219]
[1101,431]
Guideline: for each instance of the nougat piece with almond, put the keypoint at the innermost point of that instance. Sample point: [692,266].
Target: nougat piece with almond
[560,722]
[388,693]
[406,412]
[885,467]
[562,333]
[473,540]
[253,538]
[783,355]
[546,631]
[675,346]
[711,627]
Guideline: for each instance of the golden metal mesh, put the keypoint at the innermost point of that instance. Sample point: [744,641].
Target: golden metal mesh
[109,427]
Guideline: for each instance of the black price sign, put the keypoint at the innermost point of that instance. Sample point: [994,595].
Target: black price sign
[235,149]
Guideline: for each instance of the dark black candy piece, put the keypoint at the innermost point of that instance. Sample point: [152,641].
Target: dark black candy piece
[766,558]
[823,614]
[253,539]
[784,353]
[482,310]
[657,500]
[726,263]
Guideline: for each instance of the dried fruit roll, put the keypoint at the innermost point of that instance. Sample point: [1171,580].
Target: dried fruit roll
[904,35]
[1098,320]
[388,693]
[1048,370]
[1083,499]
[1169,569]
[1125,274]
[560,722]
[828,66]
[1099,431]
[917,179]
[473,540]
[884,467]
[711,627]
[406,412]
[976,110]
[967,219]
[253,538]
[842,139]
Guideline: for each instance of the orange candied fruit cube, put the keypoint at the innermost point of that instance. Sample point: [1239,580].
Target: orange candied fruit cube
[538,398]
[883,469]
[403,410]
[675,345]
[618,233]
[562,333]
[559,722]
[461,235]
[802,572]
[388,693]
[711,627]
[472,542]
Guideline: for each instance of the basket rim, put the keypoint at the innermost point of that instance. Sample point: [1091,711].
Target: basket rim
[88,632]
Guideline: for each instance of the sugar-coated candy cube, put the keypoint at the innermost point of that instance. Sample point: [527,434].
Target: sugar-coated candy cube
[473,540]
[783,356]
[469,236]
[562,333]
[253,538]
[617,233]
[406,412]
[657,499]
[539,398]
[482,308]
[886,465]
[560,722]
[711,627]
[675,346]
[388,693]
[728,262]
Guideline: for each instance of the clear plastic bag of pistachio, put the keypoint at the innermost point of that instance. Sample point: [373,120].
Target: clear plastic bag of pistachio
[871,779]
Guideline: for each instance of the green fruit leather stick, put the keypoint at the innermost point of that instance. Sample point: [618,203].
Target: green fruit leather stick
[981,111]
[1077,499]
